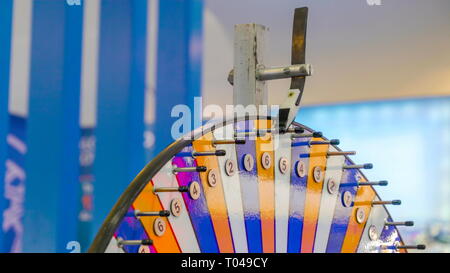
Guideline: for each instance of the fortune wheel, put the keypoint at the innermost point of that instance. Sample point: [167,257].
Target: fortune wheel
[237,186]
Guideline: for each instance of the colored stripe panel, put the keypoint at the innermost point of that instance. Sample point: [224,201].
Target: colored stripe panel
[313,195]
[181,224]
[390,237]
[330,192]
[232,188]
[249,190]
[131,229]
[6,11]
[363,200]
[297,195]
[214,195]
[147,200]
[342,213]
[264,149]
[198,209]
[283,164]
[370,238]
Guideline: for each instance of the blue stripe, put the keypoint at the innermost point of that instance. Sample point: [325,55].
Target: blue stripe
[342,214]
[198,209]
[120,125]
[250,194]
[5,43]
[297,197]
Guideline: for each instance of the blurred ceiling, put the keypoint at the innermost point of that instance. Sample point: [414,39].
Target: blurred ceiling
[359,52]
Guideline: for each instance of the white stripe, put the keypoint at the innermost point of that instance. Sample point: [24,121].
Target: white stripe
[20,57]
[232,190]
[151,60]
[377,218]
[328,201]
[181,224]
[282,187]
[113,247]
[89,70]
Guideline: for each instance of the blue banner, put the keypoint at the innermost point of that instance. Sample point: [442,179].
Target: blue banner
[86,179]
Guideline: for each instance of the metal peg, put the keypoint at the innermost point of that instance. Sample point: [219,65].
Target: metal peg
[315,142]
[171,189]
[190,169]
[371,183]
[341,153]
[313,134]
[146,242]
[392,202]
[406,223]
[207,153]
[274,73]
[163,213]
[419,247]
[229,141]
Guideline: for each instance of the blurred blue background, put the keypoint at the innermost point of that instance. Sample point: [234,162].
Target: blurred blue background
[87,88]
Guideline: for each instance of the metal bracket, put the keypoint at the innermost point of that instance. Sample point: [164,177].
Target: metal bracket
[249,73]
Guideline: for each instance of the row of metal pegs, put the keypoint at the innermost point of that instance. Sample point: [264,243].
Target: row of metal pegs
[296,133]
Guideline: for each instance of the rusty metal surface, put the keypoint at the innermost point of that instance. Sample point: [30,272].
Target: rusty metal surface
[299,45]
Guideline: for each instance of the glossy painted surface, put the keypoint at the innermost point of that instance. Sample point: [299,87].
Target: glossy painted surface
[181,224]
[148,201]
[264,146]
[377,218]
[282,149]
[389,237]
[363,200]
[232,188]
[342,213]
[131,229]
[313,196]
[215,197]
[249,191]
[261,208]
[297,196]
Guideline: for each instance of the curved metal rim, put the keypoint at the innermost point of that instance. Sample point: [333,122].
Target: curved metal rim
[110,224]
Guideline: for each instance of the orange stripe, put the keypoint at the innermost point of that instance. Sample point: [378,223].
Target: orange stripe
[215,198]
[363,199]
[313,195]
[149,201]
[266,188]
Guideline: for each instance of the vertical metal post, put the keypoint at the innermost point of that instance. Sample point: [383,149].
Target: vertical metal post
[249,44]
